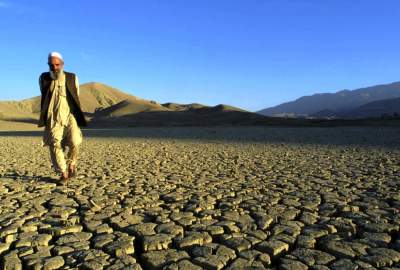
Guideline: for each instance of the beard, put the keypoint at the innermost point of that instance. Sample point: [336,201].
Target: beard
[55,75]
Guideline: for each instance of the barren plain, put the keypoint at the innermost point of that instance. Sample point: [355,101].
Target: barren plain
[205,198]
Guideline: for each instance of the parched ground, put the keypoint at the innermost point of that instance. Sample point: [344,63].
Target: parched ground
[205,198]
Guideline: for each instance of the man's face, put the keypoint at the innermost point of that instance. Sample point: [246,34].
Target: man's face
[56,64]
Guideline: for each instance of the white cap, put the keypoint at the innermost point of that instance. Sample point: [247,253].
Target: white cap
[57,55]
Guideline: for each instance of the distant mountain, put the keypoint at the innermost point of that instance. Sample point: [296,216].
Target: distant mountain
[128,107]
[183,107]
[380,108]
[325,114]
[341,101]
[201,116]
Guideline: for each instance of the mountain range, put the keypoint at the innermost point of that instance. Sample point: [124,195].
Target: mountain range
[374,101]
[105,106]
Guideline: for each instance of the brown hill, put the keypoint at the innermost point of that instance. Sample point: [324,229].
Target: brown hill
[183,107]
[92,95]
[221,108]
[24,109]
[129,107]
[202,116]
[99,96]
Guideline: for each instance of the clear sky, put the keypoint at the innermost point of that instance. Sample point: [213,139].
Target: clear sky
[247,53]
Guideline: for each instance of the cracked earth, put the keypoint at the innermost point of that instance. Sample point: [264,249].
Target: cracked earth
[205,198]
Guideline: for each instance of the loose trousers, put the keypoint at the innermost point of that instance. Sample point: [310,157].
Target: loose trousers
[60,137]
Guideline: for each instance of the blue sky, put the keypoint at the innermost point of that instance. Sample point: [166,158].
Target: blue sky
[247,53]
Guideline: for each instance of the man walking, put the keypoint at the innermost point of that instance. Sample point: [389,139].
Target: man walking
[61,115]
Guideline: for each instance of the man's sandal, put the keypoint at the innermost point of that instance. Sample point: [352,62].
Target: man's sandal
[72,171]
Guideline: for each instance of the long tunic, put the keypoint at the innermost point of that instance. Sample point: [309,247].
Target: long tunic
[59,112]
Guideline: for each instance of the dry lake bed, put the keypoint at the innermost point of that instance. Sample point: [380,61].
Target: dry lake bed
[205,198]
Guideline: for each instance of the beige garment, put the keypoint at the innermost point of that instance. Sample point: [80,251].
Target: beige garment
[61,129]
[58,108]
[60,136]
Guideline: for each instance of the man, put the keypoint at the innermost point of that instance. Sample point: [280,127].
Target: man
[61,115]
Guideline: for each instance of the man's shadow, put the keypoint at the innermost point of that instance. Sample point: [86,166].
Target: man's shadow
[29,178]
